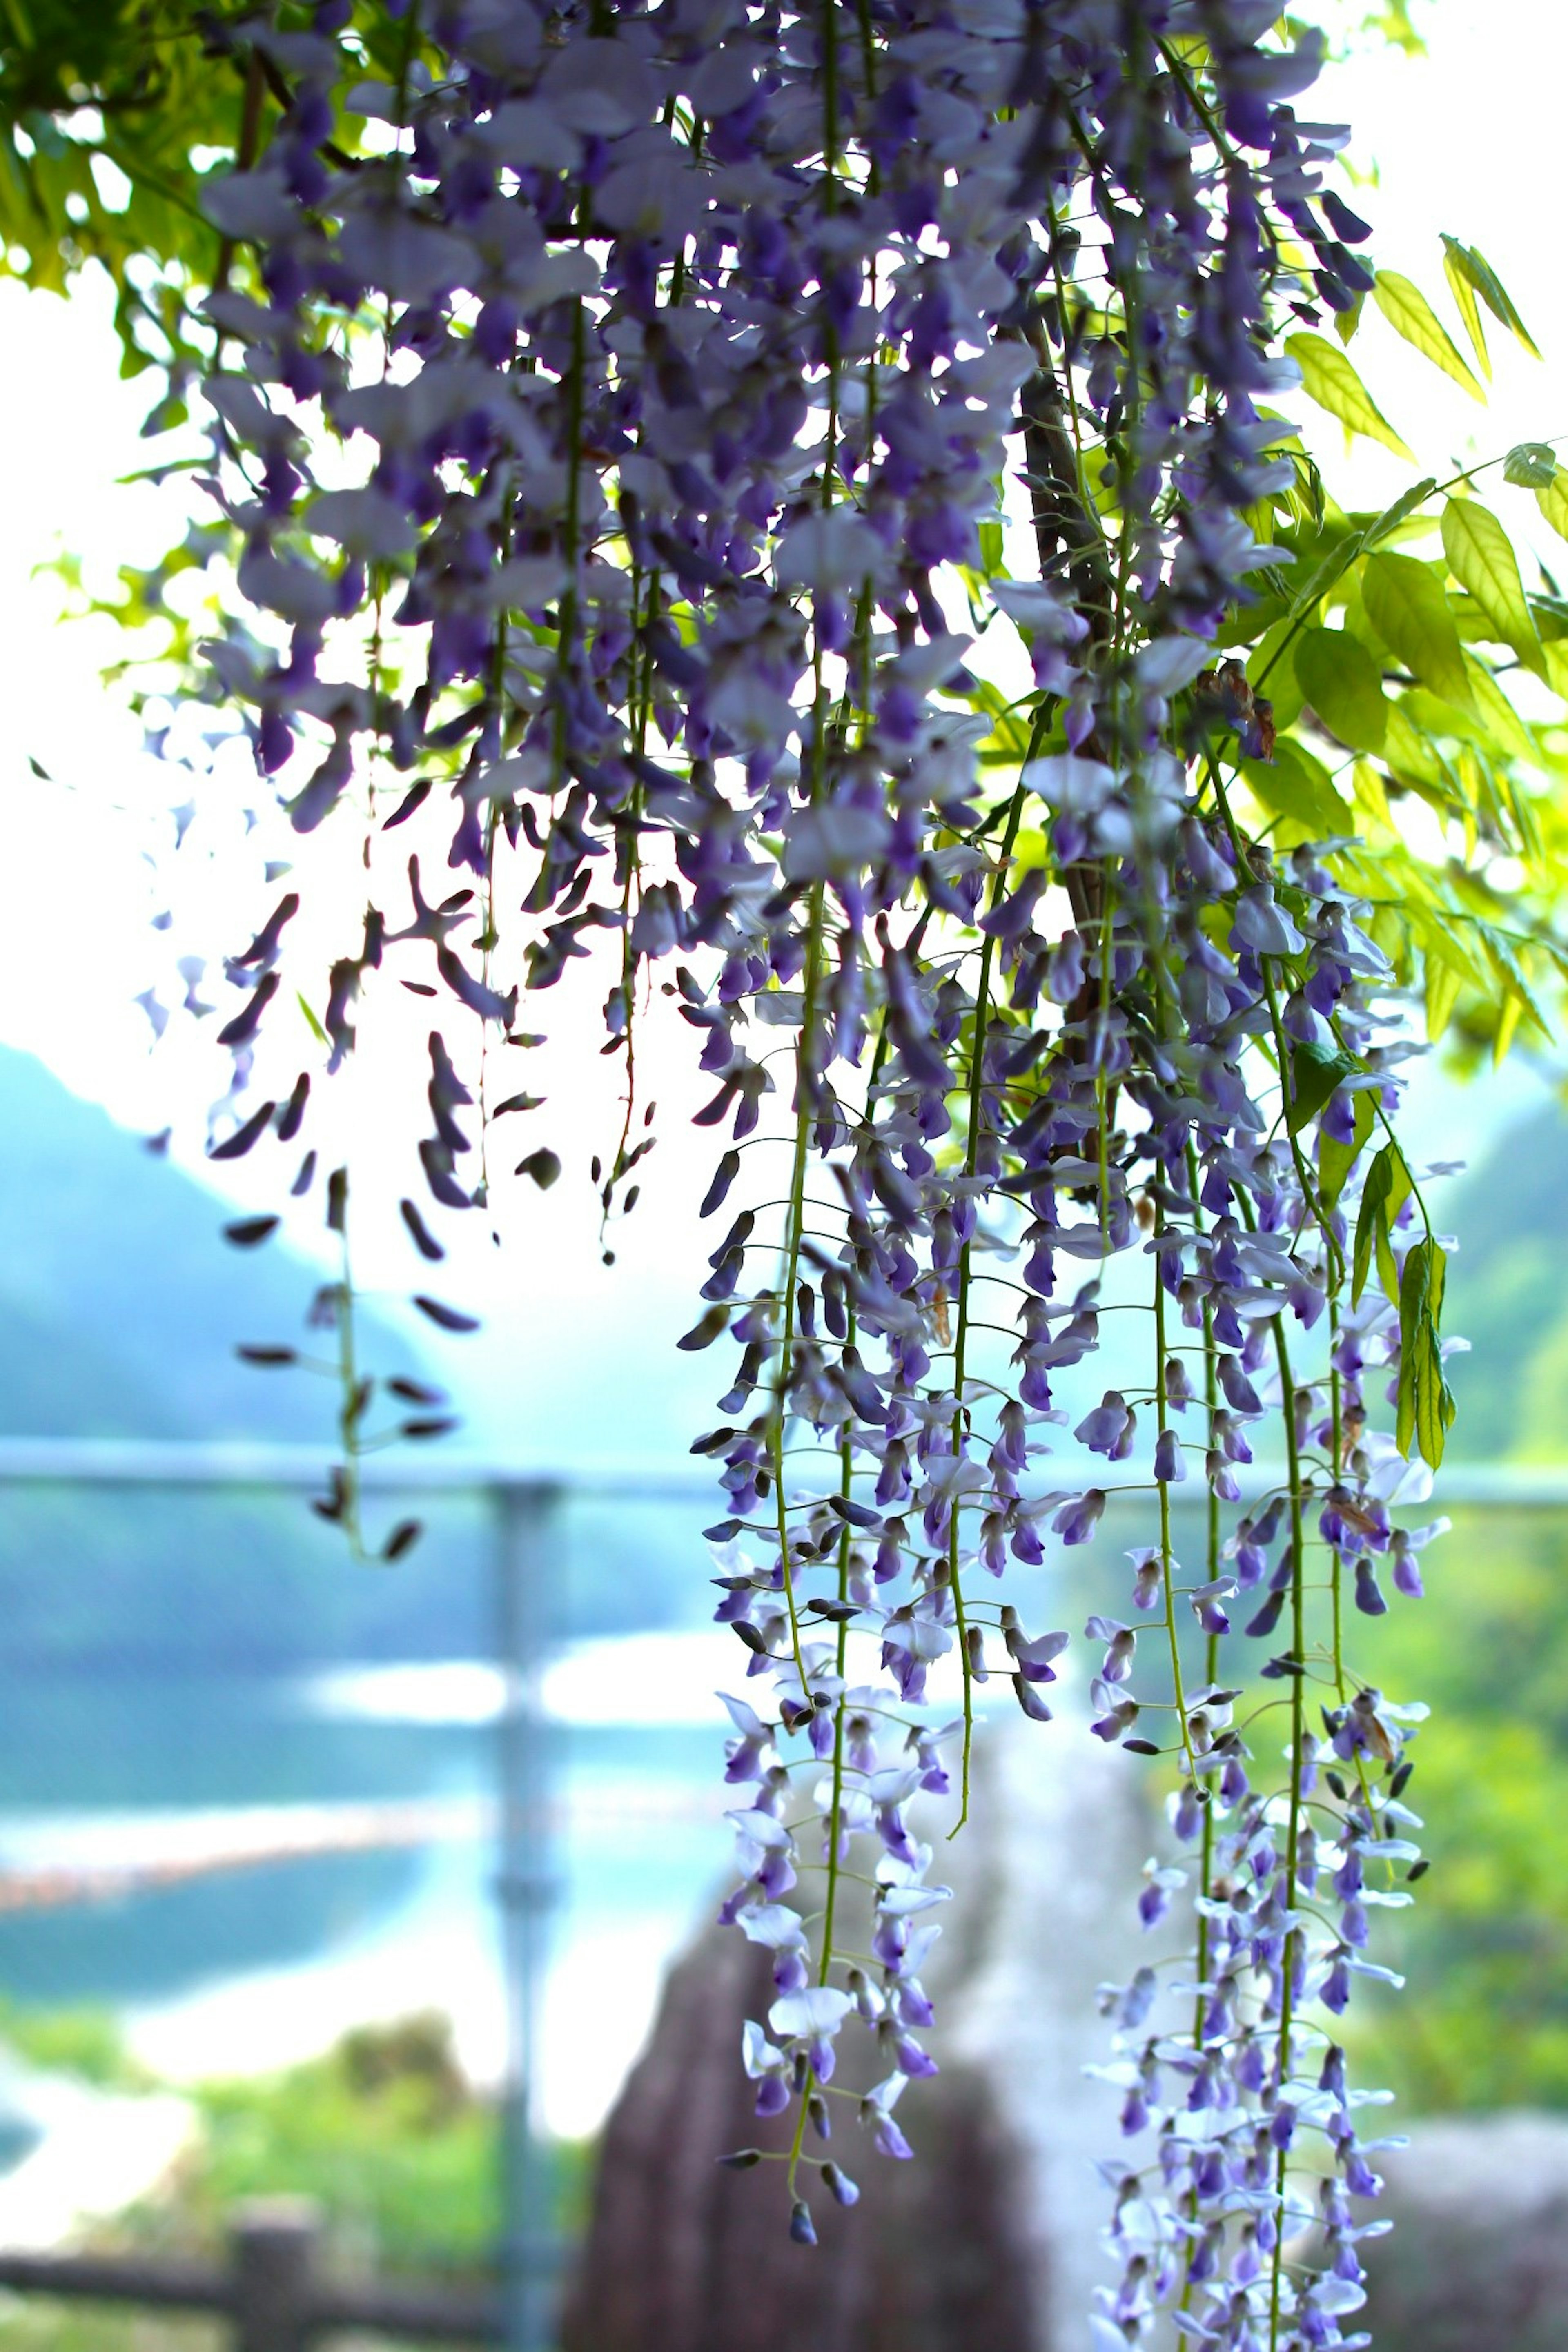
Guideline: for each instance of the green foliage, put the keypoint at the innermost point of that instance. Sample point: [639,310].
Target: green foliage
[36,2324]
[1333,384]
[1340,678]
[383,2133]
[129,85]
[86,2043]
[1481,558]
[1410,314]
[1486,1937]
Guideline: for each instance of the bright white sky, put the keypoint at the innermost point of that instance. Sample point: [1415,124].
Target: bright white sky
[579,1360]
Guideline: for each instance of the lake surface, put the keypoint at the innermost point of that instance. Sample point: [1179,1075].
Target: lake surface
[150,1745]
[255,1966]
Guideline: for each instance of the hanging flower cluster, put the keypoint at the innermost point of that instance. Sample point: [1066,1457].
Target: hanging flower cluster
[629,435]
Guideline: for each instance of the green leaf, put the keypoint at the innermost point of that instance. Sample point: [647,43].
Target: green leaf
[1463,294]
[317,1031]
[1481,558]
[1296,785]
[1472,266]
[1315,1072]
[1269,672]
[1505,730]
[1329,378]
[1554,502]
[1410,612]
[1529,466]
[1410,314]
[1335,1159]
[1341,681]
[1404,507]
[1384,1194]
[1426,1406]
[1444,978]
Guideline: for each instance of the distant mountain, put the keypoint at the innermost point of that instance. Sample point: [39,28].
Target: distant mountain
[1507,1294]
[120,1301]
[119,1308]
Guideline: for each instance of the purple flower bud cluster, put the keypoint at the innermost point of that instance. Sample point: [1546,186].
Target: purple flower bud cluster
[636,407]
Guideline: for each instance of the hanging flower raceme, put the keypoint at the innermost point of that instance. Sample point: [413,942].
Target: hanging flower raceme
[656,405]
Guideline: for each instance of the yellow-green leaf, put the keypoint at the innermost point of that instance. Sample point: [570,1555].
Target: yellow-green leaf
[1553,503]
[1473,265]
[1384,1194]
[1444,981]
[1407,753]
[1425,1407]
[1269,671]
[1463,294]
[1296,786]
[1410,314]
[1410,612]
[1328,377]
[1372,821]
[1506,730]
[1336,1159]
[1481,558]
[1341,681]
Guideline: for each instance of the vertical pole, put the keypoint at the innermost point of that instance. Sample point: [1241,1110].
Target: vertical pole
[273,2242]
[525,1514]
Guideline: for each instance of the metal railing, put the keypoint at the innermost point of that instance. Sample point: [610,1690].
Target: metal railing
[524,1504]
[273,2291]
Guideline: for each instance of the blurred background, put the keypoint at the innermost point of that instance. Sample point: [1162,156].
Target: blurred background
[256,1801]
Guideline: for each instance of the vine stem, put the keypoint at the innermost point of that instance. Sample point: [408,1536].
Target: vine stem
[1178,1690]
[795,1233]
[805,1075]
[962,1326]
[1211,1658]
[1309,1193]
[1298,1762]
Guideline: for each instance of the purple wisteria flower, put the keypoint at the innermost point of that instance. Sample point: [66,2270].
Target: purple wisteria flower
[628,423]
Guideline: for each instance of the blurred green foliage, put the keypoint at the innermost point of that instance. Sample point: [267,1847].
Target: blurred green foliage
[109,111]
[1484,2020]
[1508,1297]
[383,2133]
[84,2042]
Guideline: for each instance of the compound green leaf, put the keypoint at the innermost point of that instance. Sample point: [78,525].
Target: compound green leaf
[1329,378]
[1410,612]
[1410,314]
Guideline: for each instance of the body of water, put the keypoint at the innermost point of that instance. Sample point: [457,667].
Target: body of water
[257,1964]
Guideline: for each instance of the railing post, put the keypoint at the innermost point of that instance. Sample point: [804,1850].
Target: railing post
[525,1515]
[274,2243]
